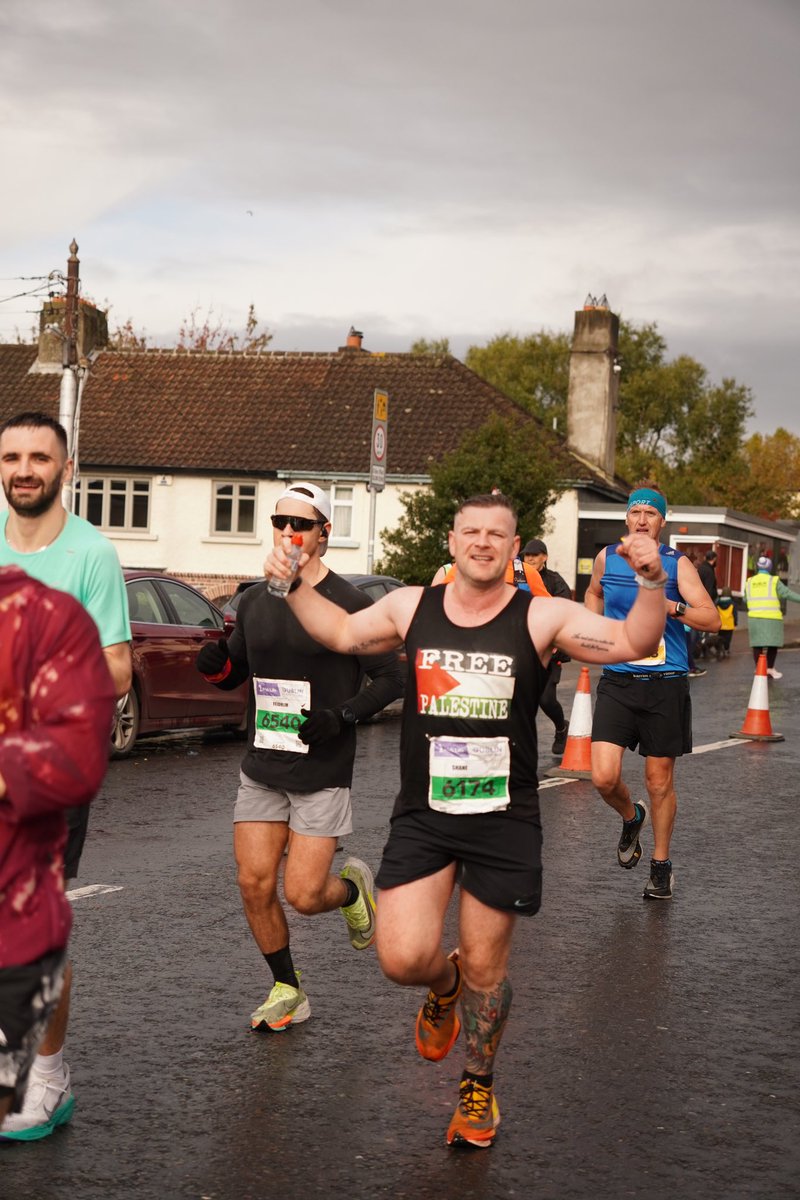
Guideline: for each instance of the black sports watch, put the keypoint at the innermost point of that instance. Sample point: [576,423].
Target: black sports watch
[680,608]
[347,714]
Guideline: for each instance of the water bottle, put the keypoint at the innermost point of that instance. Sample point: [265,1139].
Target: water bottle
[277,586]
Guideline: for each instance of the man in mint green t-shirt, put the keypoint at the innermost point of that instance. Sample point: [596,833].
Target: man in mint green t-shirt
[66,552]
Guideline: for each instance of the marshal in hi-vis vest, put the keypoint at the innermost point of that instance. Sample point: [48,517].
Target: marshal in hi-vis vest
[761,592]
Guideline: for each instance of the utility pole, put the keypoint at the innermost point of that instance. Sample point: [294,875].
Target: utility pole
[68,402]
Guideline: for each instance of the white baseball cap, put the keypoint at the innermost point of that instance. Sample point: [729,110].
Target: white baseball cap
[309,493]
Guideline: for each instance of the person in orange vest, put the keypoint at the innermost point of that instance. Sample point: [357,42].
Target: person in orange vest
[763,593]
[524,576]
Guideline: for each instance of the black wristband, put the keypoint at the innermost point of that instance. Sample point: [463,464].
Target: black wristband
[295,584]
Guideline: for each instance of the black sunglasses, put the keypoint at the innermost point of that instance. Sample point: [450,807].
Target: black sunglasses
[296,524]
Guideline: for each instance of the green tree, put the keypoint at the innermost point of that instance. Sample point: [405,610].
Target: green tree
[498,455]
[769,484]
[437,347]
[672,423]
[533,370]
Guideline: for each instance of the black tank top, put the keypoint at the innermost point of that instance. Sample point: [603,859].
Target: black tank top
[483,681]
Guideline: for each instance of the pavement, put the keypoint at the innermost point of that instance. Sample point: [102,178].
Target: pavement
[652,1048]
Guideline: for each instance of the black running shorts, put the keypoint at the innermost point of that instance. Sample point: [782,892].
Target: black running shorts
[499,857]
[28,996]
[654,714]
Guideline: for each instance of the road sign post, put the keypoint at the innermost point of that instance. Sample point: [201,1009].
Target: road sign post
[377,463]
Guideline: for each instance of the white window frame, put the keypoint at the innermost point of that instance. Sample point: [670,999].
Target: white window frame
[234,533]
[336,503]
[129,491]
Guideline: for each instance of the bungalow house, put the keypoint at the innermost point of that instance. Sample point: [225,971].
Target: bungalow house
[183,454]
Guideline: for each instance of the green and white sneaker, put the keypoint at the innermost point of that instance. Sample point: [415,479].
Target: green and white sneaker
[48,1103]
[360,915]
[284,1006]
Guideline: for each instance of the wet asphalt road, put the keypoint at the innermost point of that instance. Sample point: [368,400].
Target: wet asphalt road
[652,1049]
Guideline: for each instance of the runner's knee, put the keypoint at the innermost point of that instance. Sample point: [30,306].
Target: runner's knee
[304,897]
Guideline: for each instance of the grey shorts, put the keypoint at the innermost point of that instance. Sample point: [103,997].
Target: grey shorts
[28,997]
[326,813]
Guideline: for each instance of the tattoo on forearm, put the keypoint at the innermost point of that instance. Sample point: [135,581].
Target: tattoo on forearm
[485,1015]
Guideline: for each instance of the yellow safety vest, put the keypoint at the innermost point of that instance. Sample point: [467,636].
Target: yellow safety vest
[726,619]
[762,597]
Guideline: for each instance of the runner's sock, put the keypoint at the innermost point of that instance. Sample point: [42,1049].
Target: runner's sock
[282,967]
[49,1064]
[485,1081]
[352,893]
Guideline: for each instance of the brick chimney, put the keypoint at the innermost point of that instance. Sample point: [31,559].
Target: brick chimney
[354,339]
[594,385]
[70,327]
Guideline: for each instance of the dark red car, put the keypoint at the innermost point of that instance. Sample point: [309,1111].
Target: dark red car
[170,621]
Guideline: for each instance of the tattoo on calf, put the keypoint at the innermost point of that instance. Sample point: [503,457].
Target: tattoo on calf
[485,1015]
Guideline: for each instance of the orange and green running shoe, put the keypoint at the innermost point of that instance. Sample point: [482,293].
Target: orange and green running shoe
[437,1021]
[476,1117]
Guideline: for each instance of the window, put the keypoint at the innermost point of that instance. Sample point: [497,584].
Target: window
[234,508]
[342,498]
[114,504]
[190,608]
[144,603]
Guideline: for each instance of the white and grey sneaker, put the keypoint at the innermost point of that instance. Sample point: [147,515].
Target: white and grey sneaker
[629,851]
[48,1103]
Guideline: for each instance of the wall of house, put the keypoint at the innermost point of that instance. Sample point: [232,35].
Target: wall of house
[180,540]
[561,535]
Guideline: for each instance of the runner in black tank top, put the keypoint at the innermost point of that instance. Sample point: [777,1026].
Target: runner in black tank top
[467,810]
[470,682]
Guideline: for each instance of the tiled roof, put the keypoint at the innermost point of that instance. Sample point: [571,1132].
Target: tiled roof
[178,410]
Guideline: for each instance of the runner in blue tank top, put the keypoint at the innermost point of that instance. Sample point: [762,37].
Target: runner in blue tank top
[646,702]
[466,816]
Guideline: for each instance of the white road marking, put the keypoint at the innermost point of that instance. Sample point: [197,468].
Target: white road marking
[550,783]
[717,745]
[93,889]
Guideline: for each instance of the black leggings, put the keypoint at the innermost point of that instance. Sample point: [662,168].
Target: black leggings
[548,701]
[770,651]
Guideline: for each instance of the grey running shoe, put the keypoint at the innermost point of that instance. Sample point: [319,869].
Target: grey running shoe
[629,850]
[360,915]
[659,885]
[284,1006]
[560,740]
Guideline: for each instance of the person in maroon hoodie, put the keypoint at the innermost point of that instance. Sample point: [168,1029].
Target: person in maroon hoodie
[56,705]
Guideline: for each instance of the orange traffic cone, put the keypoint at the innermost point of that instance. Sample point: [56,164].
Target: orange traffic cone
[757,725]
[577,760]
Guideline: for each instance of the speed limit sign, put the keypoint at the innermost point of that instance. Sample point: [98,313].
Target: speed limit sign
[380,424]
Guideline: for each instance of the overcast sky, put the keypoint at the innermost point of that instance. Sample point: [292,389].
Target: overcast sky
[437,168]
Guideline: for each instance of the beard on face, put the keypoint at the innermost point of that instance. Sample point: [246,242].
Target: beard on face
[36,504]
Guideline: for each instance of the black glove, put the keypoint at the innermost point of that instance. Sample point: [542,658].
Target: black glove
[320,725]
[213,658]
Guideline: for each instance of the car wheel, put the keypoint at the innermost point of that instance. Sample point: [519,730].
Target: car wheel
[125,728]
